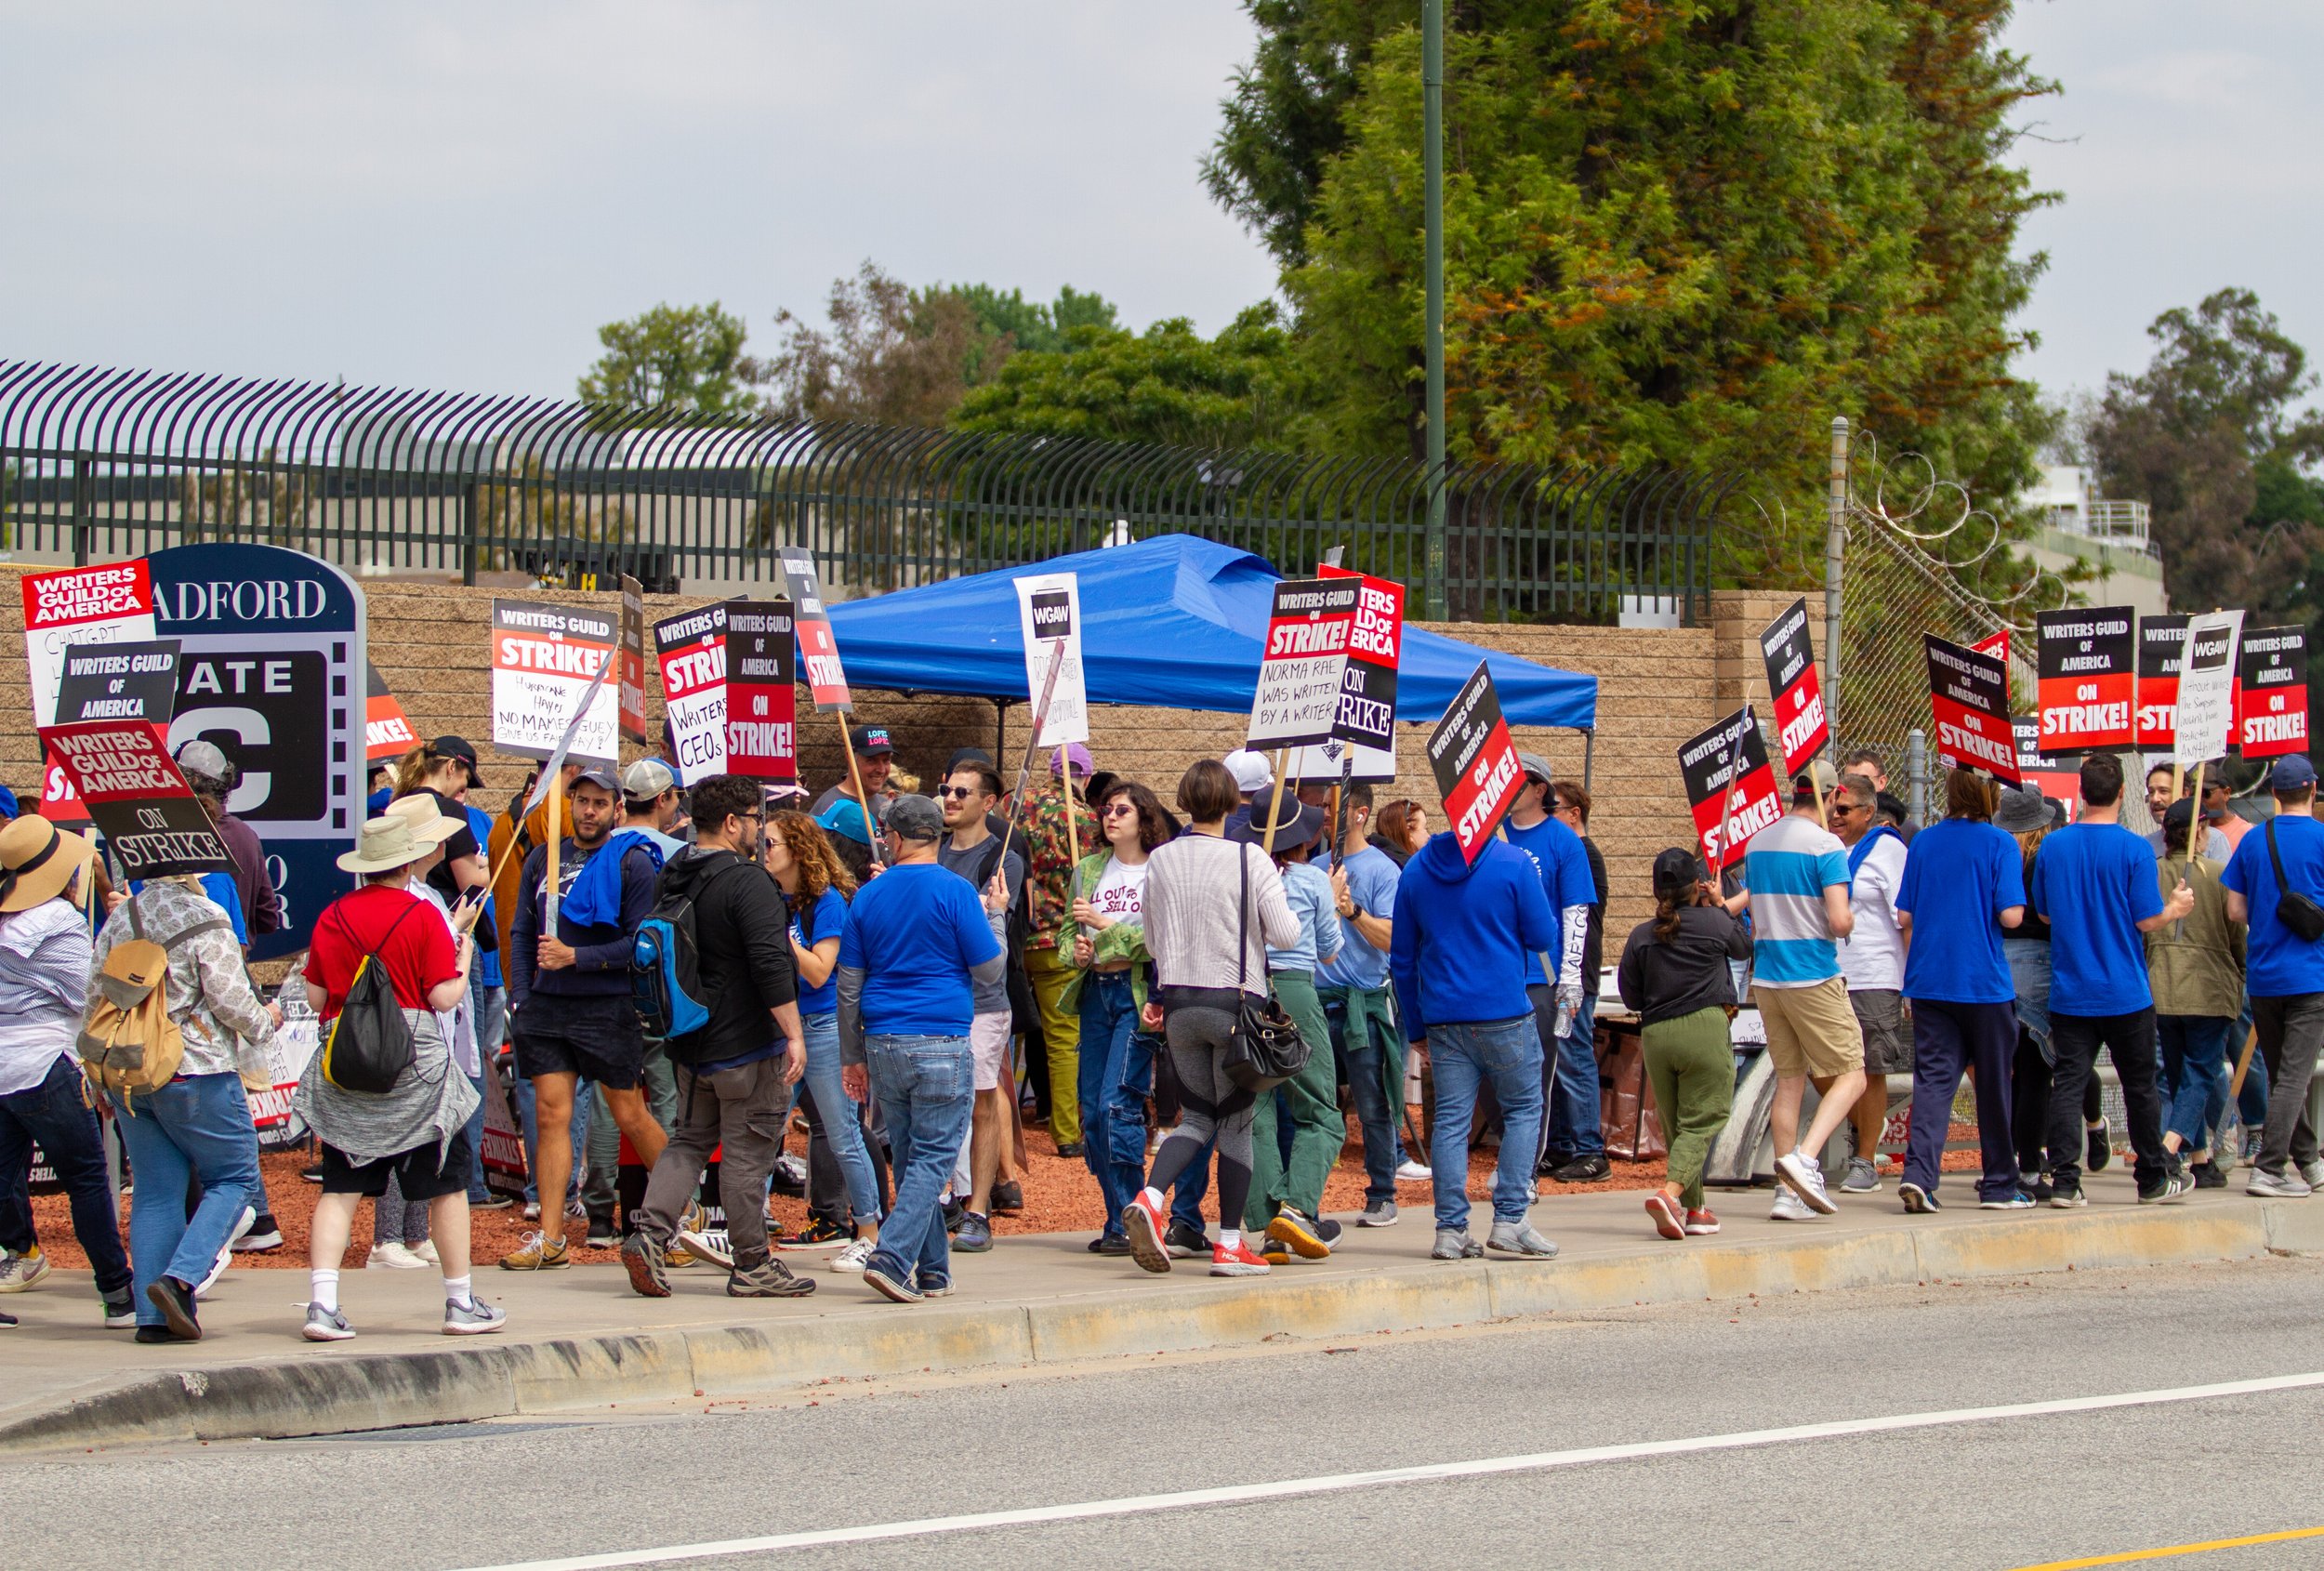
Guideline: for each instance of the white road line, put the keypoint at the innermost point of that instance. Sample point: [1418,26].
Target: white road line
[1240,1494]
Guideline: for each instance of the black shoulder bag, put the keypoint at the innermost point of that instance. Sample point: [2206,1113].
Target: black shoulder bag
[1266,1048]
[2295,910]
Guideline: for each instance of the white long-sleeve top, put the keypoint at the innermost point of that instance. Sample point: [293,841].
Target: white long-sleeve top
[1191,917]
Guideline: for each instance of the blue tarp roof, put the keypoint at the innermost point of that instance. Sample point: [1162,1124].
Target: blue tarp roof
[1174,622]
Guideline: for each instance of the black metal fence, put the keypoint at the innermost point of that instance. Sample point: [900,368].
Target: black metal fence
[98,465]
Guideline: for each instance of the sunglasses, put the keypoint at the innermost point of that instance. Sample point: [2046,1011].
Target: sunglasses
[953,792]
[1119,809]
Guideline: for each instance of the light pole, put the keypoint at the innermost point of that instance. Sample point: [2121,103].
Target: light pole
[1433,185]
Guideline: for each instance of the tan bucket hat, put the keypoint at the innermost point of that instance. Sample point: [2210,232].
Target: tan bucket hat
[37,860]
[391,842]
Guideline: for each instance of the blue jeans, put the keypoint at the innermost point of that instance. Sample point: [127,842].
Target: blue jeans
[1507,1054]
[197,1126]
[1364,1067]
[1186,1196]
[53,1117]
[1113,1120]
[834,1107]
[927,1091]
[1569,1081]
[2194,1076]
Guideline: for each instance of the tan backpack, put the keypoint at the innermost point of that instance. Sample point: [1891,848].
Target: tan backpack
[129,1044]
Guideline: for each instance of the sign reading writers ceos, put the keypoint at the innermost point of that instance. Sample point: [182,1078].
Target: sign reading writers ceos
[272,670]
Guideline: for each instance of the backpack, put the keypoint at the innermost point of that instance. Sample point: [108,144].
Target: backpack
[129,1043]
[666,962]
[370,1045]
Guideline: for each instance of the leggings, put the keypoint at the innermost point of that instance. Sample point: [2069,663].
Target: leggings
[1212,1104]
[397,1220]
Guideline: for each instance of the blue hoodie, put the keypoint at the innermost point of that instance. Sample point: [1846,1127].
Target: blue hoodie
[1466,935]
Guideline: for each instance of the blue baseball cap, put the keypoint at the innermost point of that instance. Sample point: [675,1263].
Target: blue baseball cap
[845,816]
[2293,772]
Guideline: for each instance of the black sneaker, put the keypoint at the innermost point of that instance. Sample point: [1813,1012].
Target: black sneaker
[8,1320]
[1593,1169]
[2042,1189]
[492,1201]
[1551,1161]
[121,1311]
[602,1235]
[147,1334]
[265,1234]
[820,1231]
[175,1300]
[1008,1199]
[1070,1150]
[974,1235]
[1110,1243]
[1186,1243]
[955,1212]
[2099,1138]
[313,1174]
[2207,1175]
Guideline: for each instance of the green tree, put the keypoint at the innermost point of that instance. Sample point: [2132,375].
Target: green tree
[688,358]
[1690,232]
[1030,326]
[889,353]
[2213,437]
[1168,383]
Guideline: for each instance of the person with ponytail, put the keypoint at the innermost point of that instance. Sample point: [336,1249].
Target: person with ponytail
[1674,973]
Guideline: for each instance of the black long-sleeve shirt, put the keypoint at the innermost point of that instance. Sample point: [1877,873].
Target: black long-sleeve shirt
[1665,981]
[743,933]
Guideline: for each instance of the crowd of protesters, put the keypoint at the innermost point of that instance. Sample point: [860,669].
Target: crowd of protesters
[882,966]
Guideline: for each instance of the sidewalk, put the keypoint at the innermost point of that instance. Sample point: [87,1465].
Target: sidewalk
[580,1338]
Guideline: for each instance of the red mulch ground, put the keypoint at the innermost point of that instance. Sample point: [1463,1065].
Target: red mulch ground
[1059,1195]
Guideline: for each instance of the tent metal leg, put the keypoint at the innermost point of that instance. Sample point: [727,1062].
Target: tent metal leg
[1589,754]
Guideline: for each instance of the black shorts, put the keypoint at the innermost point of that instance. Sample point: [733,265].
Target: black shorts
[417,1172]
[599,1039]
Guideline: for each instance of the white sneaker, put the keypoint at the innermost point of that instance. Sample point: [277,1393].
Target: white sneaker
[707,1244]
[852,1256]
[1414,1172]
[426,1249]
[1789,1207]
[2312,1173]
[1804,1174]
[225,1255]
[393,1256]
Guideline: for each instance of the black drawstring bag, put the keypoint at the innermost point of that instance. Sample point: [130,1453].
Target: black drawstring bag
[2293,909]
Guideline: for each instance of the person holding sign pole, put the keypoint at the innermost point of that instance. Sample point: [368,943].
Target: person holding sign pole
[2096,881]
[1054,822]
[2196,970]
[569,1004]
[1573,1145]
[2275,883]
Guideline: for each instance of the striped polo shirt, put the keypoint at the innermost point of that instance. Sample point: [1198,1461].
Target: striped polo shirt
[1787,867]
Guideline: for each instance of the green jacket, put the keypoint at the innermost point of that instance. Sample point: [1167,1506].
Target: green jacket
[1123,940]
[2198,970]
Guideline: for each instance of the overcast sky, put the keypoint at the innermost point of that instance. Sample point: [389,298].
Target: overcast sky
[457,195]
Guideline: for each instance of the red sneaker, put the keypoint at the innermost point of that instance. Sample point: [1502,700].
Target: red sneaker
[1142,1219]
[1236,1261]
[1701,1222]
[1667,1218]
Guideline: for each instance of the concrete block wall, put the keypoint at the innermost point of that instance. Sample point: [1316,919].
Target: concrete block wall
[1657,688]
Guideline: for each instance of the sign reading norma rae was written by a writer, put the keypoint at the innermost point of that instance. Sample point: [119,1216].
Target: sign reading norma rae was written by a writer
[1363,731]
[1301,665]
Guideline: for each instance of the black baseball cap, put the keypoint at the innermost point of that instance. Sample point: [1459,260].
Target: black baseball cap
[869,741]
[458,747]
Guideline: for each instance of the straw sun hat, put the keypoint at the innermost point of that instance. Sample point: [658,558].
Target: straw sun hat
[37,860]
[398,839]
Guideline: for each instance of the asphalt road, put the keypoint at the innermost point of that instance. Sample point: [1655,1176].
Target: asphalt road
[1999,1493]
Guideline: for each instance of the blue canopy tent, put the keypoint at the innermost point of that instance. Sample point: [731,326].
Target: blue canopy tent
[1173,621]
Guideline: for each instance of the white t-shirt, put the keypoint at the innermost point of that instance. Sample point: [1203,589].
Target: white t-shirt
[1873,956]
[1121,891]
[458,1023]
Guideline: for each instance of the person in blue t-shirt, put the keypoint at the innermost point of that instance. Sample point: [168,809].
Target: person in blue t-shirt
[919,942]
[1573,1145]
[2286,973]
[1360,1009]
[2095,882]
[1964,883]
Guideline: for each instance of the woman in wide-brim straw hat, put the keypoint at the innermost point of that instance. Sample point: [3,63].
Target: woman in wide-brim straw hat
[416,1132]
[37,862]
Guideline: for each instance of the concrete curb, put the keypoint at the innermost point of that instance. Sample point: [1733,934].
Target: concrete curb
[498,1379]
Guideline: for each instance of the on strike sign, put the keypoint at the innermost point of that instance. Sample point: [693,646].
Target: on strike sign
[2037,774]
[1475,762]
[387,733]
[2087,662]
[2272,713]
[691,648]
[1798,692]
[543,659]
[1299,668]
[2162,648]
[138,801]
[1730,785]
[762,710]
[1364,729]
[818,650]
[1968,700]
[77,605]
